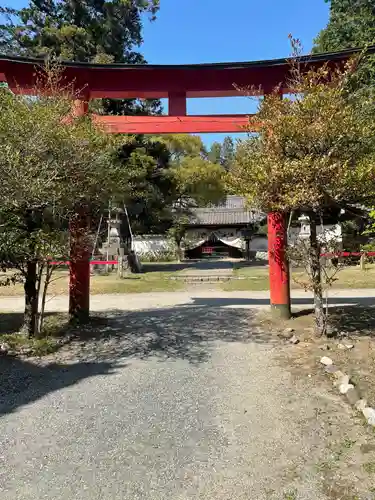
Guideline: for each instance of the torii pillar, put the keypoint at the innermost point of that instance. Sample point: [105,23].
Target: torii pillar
[279,277]
[278,264]
[79,269]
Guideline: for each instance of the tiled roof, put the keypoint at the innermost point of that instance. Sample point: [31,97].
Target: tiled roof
[232,211]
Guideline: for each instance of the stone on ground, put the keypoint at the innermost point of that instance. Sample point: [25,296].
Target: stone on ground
[325,360]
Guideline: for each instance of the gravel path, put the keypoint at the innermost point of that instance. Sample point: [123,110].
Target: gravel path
[169,403]
[195,296]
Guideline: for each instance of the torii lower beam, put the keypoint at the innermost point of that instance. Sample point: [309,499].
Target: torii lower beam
[175,124]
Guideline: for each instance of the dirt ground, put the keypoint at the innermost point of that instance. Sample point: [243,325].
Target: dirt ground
[352,457]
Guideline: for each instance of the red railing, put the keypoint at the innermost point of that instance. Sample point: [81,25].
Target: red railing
[92,262]
[347,254]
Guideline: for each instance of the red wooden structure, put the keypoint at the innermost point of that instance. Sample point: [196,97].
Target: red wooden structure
[177,83]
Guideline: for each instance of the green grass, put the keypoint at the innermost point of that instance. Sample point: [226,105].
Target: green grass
[369,467]
[290,495]
[139,283]
[55,326]
[248,278]
[19,343]
[256,278]
[133,283]
[157,278]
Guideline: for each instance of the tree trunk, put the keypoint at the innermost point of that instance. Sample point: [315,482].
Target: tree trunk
[39,278]
[31,299]
[320,318]
[30,319]
[49,271]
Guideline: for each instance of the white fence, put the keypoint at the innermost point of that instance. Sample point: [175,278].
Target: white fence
[152,246]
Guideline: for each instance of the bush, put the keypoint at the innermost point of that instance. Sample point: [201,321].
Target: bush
[164,256]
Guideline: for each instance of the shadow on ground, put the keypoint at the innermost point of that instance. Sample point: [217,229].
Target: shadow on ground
[10,322]
[185,332]
[23,381]
[356,320]
[168,267]
[253,262]
[308,301]
[353,315]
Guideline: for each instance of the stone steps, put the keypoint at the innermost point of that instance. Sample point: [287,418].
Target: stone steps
[201,278]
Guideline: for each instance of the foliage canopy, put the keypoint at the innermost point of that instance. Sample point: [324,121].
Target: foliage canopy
[315,148]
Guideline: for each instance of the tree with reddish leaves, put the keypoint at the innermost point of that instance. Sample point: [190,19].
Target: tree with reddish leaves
[315,149]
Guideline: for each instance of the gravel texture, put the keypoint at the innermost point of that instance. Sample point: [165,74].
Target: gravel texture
[165,403]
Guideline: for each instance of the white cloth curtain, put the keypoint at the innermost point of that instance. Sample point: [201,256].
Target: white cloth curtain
[231,238]
[195,238]
[191,244]
[233,242]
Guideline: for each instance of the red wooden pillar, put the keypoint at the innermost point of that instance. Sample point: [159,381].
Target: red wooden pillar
[79,279]
[278,264]
[79,285]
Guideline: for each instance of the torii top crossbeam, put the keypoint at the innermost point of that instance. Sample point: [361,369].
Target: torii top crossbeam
[175,82]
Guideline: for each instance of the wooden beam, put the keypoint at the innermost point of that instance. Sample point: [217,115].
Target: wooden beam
[159,81]
[177,104]
[174,124]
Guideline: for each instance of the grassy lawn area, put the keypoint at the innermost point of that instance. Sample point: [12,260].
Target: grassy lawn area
[157,278]
[157,281]
[256,278]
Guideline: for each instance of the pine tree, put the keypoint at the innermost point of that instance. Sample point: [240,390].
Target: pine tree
[96,31]
[227,152]
[214,154]
[85,31]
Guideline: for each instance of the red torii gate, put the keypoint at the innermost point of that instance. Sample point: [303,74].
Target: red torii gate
[177,83]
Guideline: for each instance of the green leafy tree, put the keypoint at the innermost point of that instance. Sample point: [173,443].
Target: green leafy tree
[177,231]
[52,168]
[314,150]
[146,162]
[351,24]
[181,145]
[222,153]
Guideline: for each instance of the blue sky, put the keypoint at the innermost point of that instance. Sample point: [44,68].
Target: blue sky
[196,31]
